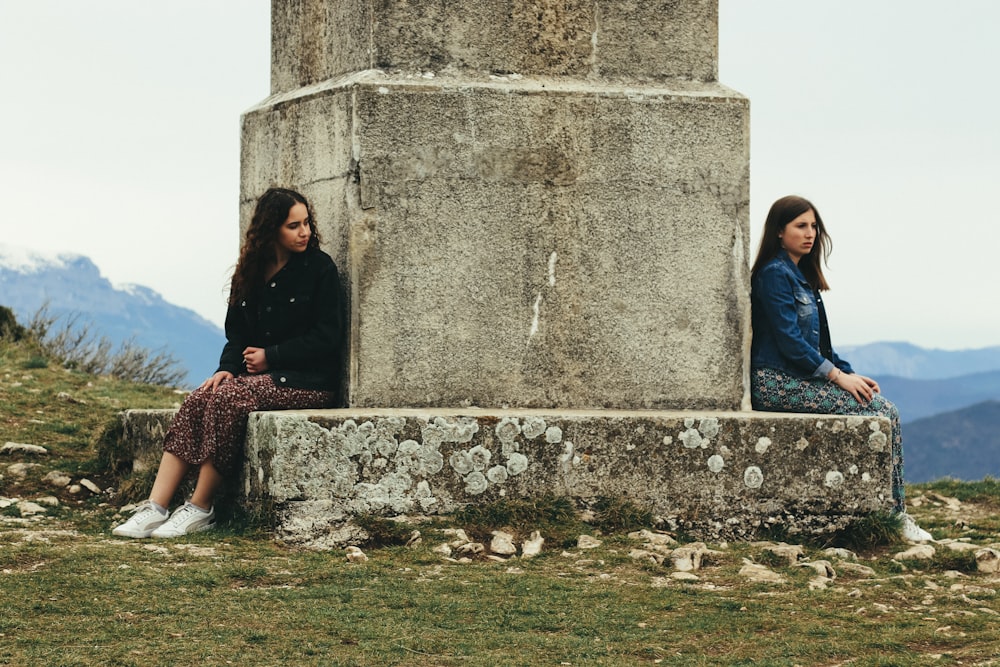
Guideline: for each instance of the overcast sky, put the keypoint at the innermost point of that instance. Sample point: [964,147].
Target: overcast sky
[119,140]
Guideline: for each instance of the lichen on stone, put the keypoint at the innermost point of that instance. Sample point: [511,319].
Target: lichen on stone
[497,474]
[517,463]
[690,438]
[709,427]
[461,462]
[533,427]
[475,483]
[834,478]
[507,430]
[753,477]
[762,444]
[877,441]
[716,463]
[553,435]
[480,457]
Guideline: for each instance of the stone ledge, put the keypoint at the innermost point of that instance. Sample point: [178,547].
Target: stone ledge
[714,475]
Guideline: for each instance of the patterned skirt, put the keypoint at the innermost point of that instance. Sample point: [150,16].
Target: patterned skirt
[211,425]
[775,391]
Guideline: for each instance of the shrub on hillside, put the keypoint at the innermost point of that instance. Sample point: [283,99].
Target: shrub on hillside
[73,341]
[9,328]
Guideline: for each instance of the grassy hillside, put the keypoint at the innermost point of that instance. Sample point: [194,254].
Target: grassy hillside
[70,594]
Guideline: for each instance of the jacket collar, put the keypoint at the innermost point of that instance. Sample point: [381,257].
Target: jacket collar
[786,261]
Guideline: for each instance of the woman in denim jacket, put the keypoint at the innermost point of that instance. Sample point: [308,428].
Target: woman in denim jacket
[793,365]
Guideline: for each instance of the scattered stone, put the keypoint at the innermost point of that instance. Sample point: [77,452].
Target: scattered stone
[28,508]
[685,576]
[587,542]
[51,501]
[822,567]
[66,397]
[355,555]
[442,549]
[988,560]
[819,583]
[57,479]
[20,470]
[642,554]
[156,549]
[856,569]
[690,556]
[502,543]
[90,486]
[759,574]
[496,559]
[459,536]
[957,545]
[6,502]
[533,545]
[415,539]
[790,552]
[842,554]
[650,537]
[21,448]
[916,552]
[952,503]
[74,489]
[470,549]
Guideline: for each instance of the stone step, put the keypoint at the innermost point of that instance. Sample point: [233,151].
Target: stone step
[713,475]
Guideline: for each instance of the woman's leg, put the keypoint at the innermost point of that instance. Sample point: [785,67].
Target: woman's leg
[168,477]
[209,481]
[779,392]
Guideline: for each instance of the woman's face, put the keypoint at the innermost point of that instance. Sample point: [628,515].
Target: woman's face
[799,235]
[294,233]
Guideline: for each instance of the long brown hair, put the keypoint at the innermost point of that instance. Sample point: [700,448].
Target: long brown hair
[783,212]
[258,246]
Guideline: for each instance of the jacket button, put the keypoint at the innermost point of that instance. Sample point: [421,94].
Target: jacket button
[274,284]
[292,300]
[283,380]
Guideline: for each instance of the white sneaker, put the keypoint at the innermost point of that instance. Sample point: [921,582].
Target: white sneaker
[913,532]
[143,522]
[186,519]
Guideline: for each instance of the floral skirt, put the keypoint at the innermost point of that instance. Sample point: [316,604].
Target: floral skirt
[211,425]
[775,391]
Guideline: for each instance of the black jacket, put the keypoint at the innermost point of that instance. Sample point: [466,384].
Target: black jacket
[297,318]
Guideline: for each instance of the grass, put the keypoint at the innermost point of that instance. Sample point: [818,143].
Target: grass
[70,594]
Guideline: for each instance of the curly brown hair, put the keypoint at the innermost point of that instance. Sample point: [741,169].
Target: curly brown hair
[258,246]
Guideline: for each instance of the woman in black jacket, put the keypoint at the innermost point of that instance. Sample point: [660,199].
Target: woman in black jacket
[283,334]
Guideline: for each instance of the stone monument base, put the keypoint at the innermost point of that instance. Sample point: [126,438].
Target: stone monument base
[713,475]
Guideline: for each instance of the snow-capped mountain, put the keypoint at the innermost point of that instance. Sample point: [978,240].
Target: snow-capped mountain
[72,285]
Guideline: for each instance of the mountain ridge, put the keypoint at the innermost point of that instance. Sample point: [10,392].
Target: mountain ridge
[71,285]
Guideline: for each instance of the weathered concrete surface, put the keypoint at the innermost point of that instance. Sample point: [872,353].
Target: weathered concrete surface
[316,40]
[523,241]
[714,475]
[140,444]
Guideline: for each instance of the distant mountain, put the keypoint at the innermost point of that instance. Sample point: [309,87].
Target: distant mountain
[72,284]
[922,398]
[905,360]
[964,444]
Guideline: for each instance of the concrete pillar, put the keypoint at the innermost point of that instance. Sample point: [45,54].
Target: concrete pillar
[540,209]
[535,203]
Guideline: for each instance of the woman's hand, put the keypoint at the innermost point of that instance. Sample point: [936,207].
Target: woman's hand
[255,360]
[861,388]
[217,379]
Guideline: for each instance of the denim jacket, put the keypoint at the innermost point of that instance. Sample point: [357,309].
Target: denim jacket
[790,331]
[296,317]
